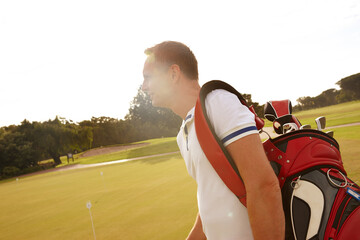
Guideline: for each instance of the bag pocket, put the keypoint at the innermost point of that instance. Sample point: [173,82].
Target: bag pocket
[306,208]
[310,205]
[347,218]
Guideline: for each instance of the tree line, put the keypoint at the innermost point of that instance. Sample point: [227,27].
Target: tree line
[23,146]
[349,91]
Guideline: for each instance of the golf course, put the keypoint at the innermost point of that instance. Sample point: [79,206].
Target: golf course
[151,197]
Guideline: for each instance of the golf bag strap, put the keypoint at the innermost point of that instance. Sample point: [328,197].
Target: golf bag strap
[212,146]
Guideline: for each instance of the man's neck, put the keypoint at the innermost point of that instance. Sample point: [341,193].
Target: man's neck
[188,93]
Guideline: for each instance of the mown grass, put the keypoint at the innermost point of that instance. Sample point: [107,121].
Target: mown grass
[154,146]
[335,115]
[349,141]
[146,199]
[153,198]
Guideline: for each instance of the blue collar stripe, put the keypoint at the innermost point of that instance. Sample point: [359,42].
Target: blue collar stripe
[188,117]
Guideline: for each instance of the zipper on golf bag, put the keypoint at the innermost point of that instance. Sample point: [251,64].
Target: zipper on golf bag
[345,215]
[339,205]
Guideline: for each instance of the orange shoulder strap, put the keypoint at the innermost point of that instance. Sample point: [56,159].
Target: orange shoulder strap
[212,146]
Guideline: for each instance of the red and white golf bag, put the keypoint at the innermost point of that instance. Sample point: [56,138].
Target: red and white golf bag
[319,200]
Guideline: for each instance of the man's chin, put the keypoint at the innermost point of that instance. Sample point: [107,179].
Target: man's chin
[153,103]
[157,104]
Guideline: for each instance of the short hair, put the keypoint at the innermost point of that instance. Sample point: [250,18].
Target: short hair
[171,52]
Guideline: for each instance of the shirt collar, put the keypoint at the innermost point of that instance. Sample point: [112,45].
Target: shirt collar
[189,116]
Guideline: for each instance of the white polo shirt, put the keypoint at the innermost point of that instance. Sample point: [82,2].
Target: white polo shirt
[222,214]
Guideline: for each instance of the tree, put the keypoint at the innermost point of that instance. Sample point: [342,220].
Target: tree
[17,151]
[150,122]
[23,146]
[108,131]
[306,102]
[350,90]
[329,96]
[259,109]
[345,96]
[55,138]
[350,86]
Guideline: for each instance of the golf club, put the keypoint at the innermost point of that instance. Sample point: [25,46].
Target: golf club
[320,123]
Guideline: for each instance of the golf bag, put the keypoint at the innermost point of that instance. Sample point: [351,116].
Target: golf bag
[319,200]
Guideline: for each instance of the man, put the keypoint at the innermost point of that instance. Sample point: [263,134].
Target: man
[171,79]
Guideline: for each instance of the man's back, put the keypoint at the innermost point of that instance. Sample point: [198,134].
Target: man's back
[222,214]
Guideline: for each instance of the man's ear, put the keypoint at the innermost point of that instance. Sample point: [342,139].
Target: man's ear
[175,72]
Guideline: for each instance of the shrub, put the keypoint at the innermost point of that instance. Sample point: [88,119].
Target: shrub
[10,171]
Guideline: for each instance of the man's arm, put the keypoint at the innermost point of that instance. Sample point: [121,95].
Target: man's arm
[263,194]
[196,232]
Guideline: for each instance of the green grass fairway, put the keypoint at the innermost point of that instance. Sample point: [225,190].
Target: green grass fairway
[155,146]
[145,199]
[349,141]
[335,115]
[152,198]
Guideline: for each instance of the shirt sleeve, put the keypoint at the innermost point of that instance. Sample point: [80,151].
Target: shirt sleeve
[229,117]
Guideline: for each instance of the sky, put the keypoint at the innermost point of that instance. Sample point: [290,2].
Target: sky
[79,59]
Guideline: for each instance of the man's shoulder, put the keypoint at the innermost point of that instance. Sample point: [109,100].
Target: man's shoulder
[221,96]
[218,92]
[222,101]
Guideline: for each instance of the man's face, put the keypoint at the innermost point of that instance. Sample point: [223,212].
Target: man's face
[157,83]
